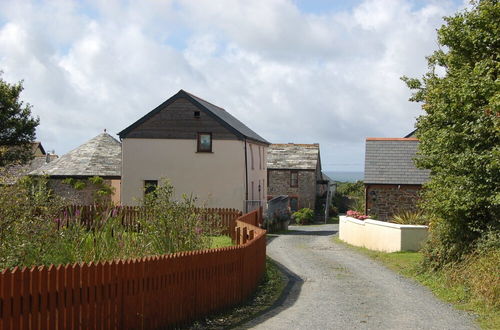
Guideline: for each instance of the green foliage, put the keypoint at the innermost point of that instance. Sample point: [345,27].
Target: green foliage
[460,132]
[172,226]
[410,218]
[27,213]
[17,126]
[303,216]
[30,216]
[349,196]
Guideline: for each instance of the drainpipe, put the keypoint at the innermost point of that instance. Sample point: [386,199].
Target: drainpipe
[246,176]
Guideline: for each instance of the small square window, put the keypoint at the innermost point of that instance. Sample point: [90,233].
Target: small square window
[204,142]
[196,114]
[150,186]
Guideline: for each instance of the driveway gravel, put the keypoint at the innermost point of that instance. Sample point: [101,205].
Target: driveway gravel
[332,287]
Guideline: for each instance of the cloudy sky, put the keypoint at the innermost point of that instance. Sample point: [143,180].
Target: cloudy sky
[301,71]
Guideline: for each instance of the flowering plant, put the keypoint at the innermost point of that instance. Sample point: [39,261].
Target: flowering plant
[357,215]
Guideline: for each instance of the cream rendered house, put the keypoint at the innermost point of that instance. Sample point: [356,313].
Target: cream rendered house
[201,148]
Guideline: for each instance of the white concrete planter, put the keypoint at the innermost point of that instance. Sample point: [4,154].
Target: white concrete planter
[380,235]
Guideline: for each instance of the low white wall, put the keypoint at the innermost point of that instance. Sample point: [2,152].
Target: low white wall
[380,235]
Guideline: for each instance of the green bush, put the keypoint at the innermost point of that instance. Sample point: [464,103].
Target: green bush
[303,216]
[459,132]
[349,196]
[33,232]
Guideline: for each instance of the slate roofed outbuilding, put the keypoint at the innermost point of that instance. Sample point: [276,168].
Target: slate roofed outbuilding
[390,161]
[218,113]
[293,156]
[100,156]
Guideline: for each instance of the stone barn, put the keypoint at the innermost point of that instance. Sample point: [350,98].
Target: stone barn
[295,170]
[392,181]
[69,174]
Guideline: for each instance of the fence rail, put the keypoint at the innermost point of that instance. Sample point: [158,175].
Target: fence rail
[129,215]
[155,292]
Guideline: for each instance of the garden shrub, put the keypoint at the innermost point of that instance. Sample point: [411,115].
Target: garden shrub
[303,216]
[349,195]
[34,230]
[410,218]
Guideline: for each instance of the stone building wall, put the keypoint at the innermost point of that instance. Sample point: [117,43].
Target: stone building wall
[279,184]
[85,196]
[383,201]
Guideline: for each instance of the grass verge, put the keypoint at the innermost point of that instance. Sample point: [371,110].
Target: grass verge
[267,293]
[408,264]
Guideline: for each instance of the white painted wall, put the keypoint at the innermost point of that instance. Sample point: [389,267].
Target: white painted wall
[380,235]
[217,178]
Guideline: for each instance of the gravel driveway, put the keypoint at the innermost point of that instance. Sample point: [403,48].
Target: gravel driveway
[333,287]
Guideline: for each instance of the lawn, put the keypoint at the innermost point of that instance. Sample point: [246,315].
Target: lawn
[220,241]
[408,264]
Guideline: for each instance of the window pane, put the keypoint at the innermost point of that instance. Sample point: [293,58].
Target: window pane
[150,186]
[204,142]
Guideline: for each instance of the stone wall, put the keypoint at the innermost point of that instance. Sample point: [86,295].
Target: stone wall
[83,196]
[279,184]
[383,201]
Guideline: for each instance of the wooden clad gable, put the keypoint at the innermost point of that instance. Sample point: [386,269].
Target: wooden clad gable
[180,119]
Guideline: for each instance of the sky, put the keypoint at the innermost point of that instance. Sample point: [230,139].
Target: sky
[301,71]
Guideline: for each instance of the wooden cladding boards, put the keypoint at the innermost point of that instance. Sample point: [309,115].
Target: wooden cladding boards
[177,121]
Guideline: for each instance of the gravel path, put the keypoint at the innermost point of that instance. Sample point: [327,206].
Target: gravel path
[333,287]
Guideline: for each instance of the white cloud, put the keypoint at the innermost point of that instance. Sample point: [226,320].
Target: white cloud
[331,78]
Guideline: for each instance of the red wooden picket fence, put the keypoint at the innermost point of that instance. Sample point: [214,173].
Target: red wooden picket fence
[88,214]
[156,292]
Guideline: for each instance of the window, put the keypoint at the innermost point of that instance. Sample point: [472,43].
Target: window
[294,204]
[150,186]
[263,158]
[196,114]
[260,160]
[294,178]
[204,142]
[251,155]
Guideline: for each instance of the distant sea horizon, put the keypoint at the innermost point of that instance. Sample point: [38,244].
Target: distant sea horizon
[346,176]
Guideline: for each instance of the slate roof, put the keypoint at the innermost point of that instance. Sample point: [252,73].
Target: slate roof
[412,134]
[293,156]
[390,161]
[216,112]
[12,173]
[101,156]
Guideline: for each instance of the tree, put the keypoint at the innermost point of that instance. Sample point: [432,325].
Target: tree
[17,126]
[460,132]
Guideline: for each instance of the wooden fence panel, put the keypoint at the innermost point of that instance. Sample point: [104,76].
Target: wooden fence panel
[155,292]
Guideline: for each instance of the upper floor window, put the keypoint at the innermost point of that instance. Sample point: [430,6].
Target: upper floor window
[294,178]
[204,142]
[196,114]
